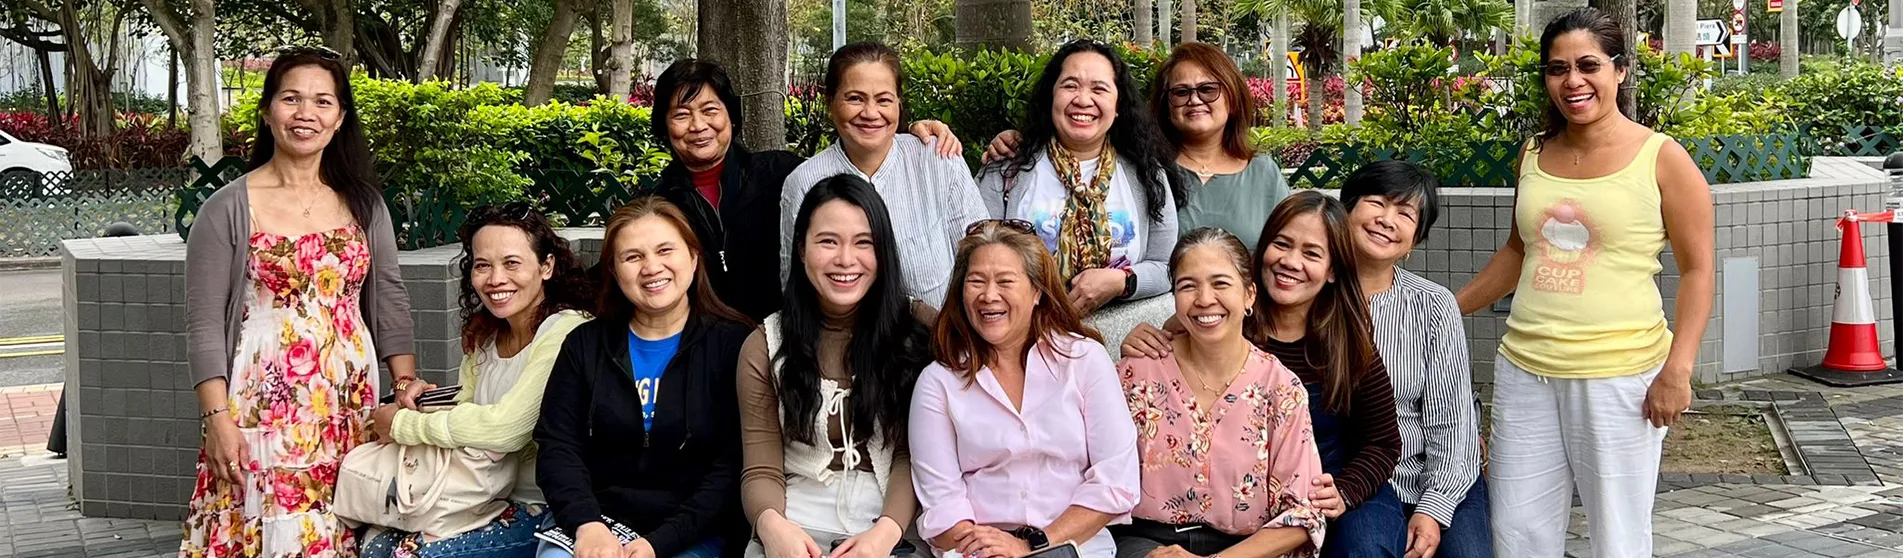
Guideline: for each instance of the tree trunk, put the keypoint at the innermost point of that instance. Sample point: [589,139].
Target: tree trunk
[727,36]
[51,89]
[597,49]
[546,63]
[438,39]
[1350,50]
[171,92]
[993,24]
[1314,88]
[1278,68]
[194,44]
[1143,30]
[621,50]
[1681,27]
[1788,40]
[1189,21]
[337,23]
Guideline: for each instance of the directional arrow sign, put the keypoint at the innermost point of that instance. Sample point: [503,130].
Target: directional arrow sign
[1712,32]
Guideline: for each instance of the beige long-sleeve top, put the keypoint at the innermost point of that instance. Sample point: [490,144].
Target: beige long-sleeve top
[763,475]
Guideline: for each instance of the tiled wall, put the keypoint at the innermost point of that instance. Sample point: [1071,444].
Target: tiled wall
[137,434]
[1788,226]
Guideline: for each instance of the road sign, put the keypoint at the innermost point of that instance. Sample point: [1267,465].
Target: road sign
[1737,4]
[1712,32]
[1849,23]
[1774,6]
[1738,35]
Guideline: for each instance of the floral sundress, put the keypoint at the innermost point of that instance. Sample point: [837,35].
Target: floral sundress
[301,386]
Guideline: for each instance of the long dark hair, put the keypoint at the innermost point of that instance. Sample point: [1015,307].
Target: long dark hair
[567,288]
[889,346]
[1134,135]
[1611,39]
[681,83]
[1339,327]
[346,165]
[613,305]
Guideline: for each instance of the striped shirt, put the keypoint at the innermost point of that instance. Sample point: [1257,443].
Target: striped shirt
[1418,331]
[931,200]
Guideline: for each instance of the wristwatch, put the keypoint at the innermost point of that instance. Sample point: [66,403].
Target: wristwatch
[1129,284]
[1032,536]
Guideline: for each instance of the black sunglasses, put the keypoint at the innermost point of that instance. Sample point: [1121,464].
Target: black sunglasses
[1589,66]
[1018,225]
[1208,91]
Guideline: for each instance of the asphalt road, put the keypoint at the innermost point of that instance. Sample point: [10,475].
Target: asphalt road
[30,306]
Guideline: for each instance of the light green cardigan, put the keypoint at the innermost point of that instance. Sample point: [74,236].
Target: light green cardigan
[503,427]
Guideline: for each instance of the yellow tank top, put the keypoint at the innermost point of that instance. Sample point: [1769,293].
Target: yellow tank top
[1587,305]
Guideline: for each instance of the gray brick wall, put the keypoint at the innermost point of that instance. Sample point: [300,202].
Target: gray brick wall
[1788,226]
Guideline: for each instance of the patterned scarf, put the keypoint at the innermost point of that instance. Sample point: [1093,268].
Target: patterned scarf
[1083,237]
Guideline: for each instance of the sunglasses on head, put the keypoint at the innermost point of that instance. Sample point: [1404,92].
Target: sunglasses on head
[1018,225]
[1208,92]
[1587,66]
[318,51]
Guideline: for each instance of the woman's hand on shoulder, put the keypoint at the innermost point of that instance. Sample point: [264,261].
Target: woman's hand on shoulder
[932,130]
[1147,341]
[1004,146]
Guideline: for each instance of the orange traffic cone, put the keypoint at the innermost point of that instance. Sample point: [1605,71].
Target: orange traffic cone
[1853,357]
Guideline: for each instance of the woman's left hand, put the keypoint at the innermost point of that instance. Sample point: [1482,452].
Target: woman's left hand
[928,130]
[876,542]
[1094,287]
[991,542]
[1669,397]
[1327,498]
[382,419]
[1172,551]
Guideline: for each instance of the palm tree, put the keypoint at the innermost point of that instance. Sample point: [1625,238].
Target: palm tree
[1441,22]
[1317,39]
[1351,26]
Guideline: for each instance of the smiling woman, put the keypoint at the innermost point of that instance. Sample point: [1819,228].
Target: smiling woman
[932,199]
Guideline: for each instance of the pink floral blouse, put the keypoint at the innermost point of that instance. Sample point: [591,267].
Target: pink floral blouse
[1239,473]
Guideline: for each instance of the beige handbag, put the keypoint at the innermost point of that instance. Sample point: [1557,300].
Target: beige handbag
[438,492]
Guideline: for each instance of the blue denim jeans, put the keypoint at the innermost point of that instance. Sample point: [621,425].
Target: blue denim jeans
[709,548]
[1378,528]
[510,536]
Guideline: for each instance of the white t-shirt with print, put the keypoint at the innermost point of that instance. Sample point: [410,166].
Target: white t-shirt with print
[1043,201]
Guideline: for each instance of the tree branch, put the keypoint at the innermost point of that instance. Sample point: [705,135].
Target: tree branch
[26,38]
[41,9]
[172,24]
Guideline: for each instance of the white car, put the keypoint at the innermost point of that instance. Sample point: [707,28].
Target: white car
[30,160]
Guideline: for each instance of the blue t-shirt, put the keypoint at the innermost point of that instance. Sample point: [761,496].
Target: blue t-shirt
[650,360]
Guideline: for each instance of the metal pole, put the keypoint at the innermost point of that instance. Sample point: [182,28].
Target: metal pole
[1893,165]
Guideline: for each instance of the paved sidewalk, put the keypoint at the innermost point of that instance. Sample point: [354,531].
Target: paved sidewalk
[1772,517]
[26,415]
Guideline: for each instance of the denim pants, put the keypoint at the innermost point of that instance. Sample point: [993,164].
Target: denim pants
[511,535]
[1378,528]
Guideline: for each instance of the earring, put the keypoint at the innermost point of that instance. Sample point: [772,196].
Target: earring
[1246,312]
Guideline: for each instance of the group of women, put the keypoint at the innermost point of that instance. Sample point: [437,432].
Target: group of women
[928,368]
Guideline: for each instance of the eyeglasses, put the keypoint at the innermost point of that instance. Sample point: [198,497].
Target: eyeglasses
[1018,225]
[323,52]
[1587,66]
[1208,91]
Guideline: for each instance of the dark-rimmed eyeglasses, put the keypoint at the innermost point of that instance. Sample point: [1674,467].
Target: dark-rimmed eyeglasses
[1018,225]
[1209,92]
[1587,66]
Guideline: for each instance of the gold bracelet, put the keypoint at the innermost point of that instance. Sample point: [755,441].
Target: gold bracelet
[211,413]
[402,383]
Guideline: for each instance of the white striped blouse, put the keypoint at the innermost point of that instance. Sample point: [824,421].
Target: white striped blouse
[1418,331]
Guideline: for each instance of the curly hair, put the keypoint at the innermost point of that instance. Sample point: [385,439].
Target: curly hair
[568,288]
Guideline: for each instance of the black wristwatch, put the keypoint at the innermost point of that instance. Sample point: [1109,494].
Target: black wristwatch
[1032,536]
[1129,284]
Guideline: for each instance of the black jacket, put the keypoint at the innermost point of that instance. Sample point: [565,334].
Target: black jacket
[677,485]
[742,240]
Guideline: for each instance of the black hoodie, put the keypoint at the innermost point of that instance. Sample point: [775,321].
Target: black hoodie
[677,485]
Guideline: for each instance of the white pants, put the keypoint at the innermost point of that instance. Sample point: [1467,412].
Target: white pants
[1552,435]
[847,507]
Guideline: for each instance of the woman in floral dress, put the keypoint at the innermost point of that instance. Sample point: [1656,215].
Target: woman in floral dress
[295,296]
[1223,432]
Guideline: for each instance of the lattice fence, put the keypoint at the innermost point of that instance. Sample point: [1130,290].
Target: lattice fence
[1724,159]
[42,210]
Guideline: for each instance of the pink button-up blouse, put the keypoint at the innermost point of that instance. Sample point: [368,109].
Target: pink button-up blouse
[976,457]
[1246,463]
